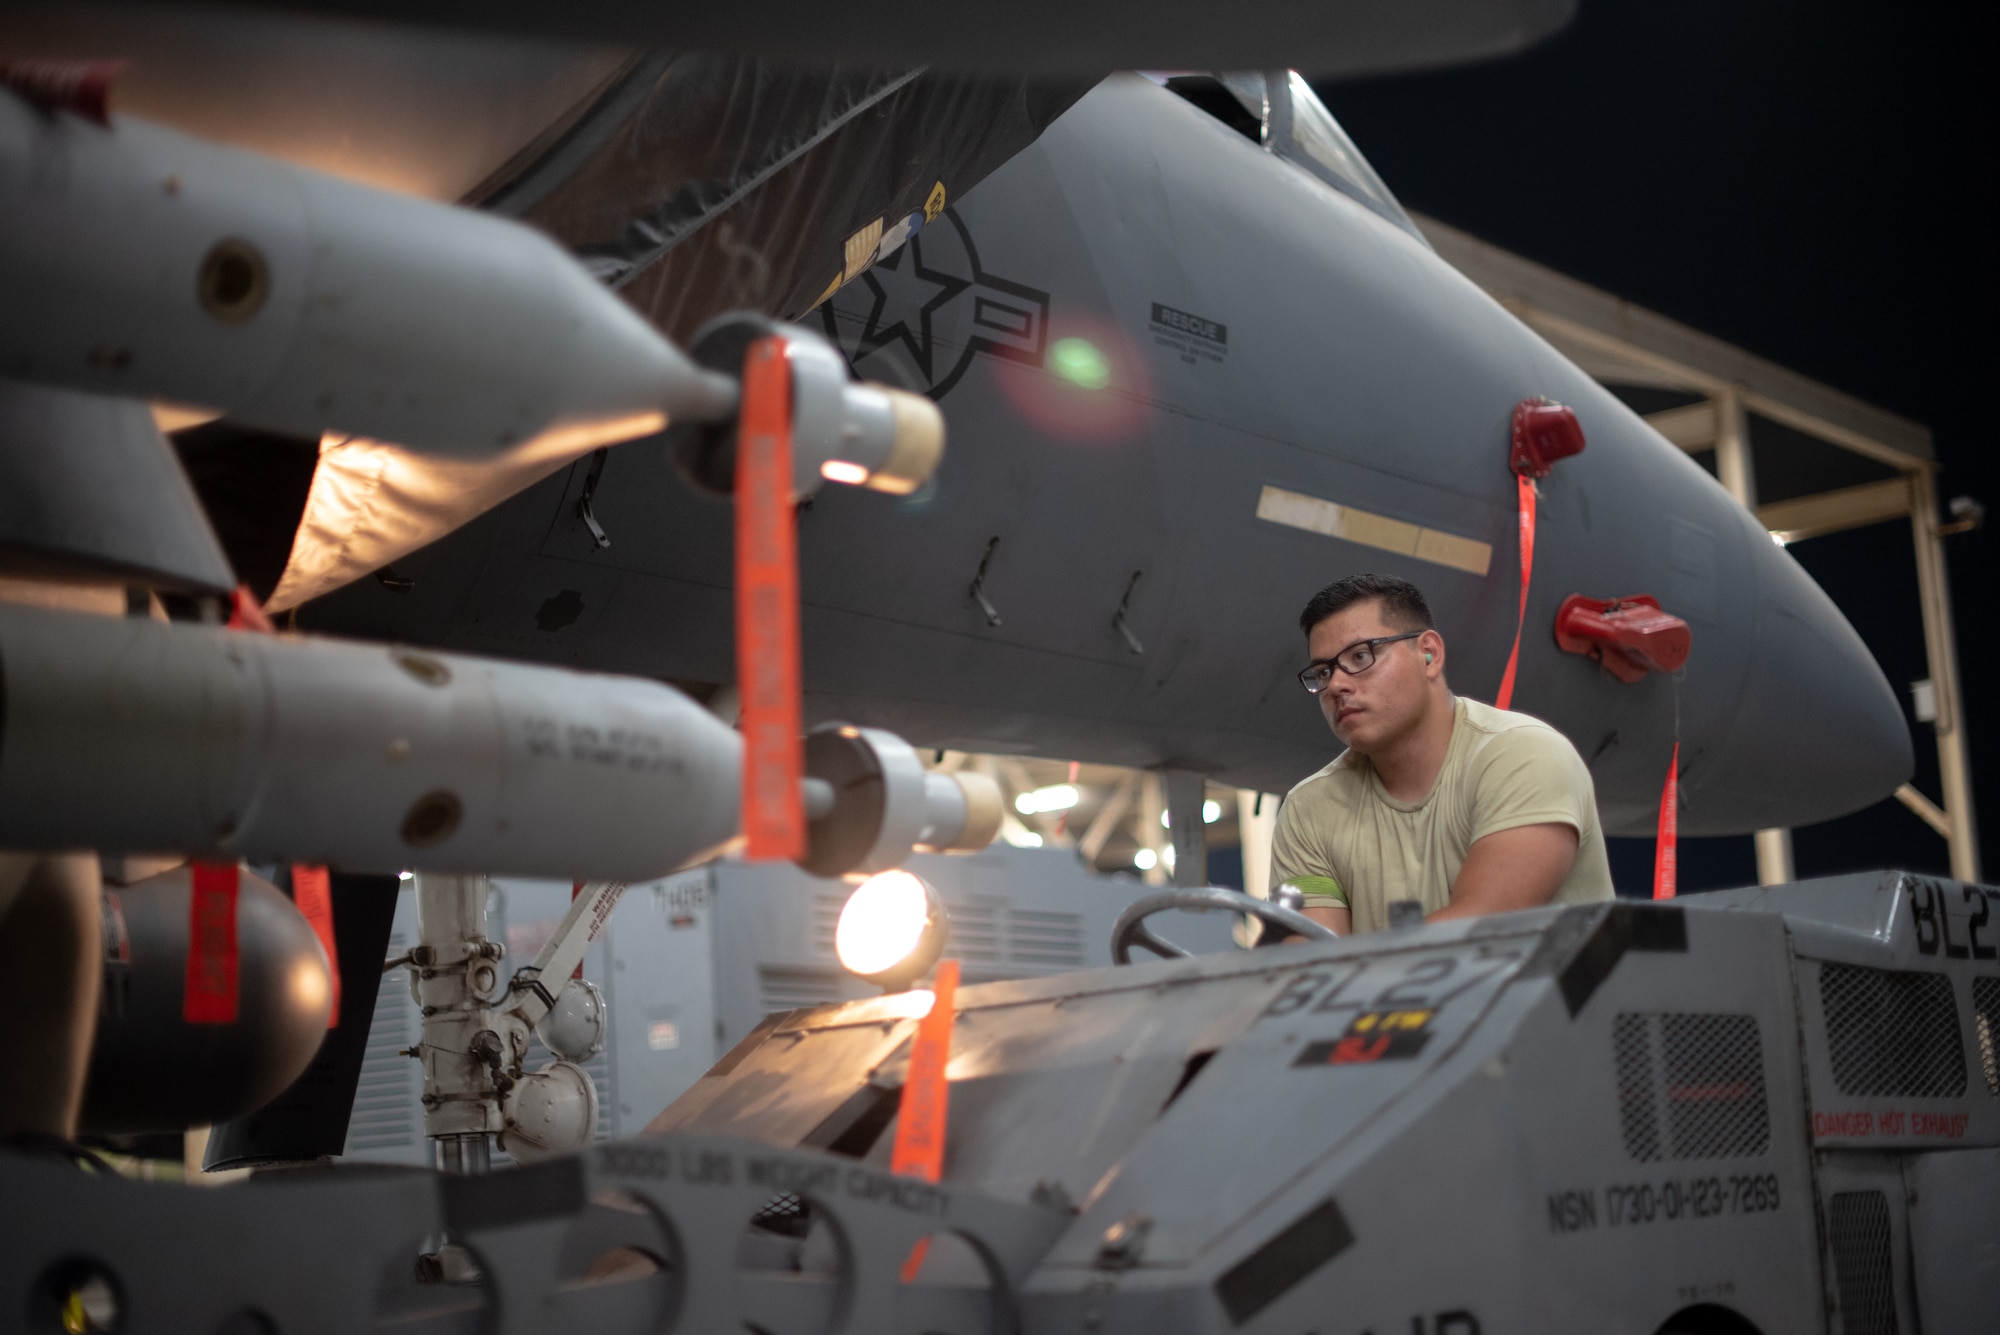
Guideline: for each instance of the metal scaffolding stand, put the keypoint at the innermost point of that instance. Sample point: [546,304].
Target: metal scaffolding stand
[1618,343]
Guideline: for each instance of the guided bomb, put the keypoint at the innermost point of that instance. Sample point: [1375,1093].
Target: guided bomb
[152,1070]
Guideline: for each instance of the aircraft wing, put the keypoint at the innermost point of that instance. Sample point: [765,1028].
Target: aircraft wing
[1327,37]
[692,184]
[702,183]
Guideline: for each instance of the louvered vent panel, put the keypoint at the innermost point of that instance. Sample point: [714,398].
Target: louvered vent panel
[1038,939]
[386,1114]
[1986,1021]
[1863,1269]
[1690,1085]
[975,934]
[826,921]
[785,989]
[1891,1033]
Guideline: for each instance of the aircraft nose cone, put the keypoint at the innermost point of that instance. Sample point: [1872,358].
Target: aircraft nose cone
[1818,731]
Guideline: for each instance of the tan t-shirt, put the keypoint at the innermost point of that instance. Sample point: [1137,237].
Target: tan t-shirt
[1501,771]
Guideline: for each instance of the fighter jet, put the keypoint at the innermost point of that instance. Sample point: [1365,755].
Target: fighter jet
[1196,363]
[1194,370]
[1195,360]
[314,304]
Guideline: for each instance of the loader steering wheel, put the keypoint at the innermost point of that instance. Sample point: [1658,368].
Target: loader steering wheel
[1130,929]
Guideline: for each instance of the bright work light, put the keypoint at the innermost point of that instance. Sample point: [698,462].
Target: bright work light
[892,929]
[1058,797]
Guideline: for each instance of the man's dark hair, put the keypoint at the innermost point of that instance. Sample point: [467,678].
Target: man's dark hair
[1403,604]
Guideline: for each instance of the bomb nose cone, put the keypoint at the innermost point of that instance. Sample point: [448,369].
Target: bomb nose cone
[1817,732]
[151,1069]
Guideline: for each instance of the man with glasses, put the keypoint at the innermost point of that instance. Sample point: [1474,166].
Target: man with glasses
[1462,807]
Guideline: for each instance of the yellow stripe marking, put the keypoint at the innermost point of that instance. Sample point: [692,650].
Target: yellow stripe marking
[860,249]
[1297,510]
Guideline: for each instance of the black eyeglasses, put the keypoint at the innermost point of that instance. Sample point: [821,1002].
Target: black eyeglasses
[1354,660]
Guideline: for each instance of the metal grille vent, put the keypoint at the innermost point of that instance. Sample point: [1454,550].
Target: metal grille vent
[1690,1086]
[1986,1020]
[826,921]
[1891,1033]
[975,933]
[1007,941]
[1863,1271]
[385,1100]
[786,989]
[1042,940]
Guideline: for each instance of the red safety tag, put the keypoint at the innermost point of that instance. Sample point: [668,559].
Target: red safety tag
[246,614]
[79,86]
[1526,487]
[1666,850]
[210,996]
[312,895]
[921,1115]
[767,610]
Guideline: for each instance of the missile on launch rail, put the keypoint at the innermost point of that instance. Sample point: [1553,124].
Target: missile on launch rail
[145,263]
[132,735]
[128,735]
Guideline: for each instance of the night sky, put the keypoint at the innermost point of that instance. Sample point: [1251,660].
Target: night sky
[1810,181]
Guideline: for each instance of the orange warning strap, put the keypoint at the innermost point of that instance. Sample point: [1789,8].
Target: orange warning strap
[210,994]
[312,894]
[767,610]
[1526,489]
[922,1113]
[920,1117]
[1666,845]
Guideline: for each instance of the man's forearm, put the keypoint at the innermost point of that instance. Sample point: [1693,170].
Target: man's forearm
[1339,919]
[1521,868]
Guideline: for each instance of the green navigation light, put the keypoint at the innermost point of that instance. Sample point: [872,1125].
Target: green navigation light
[1078,361]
